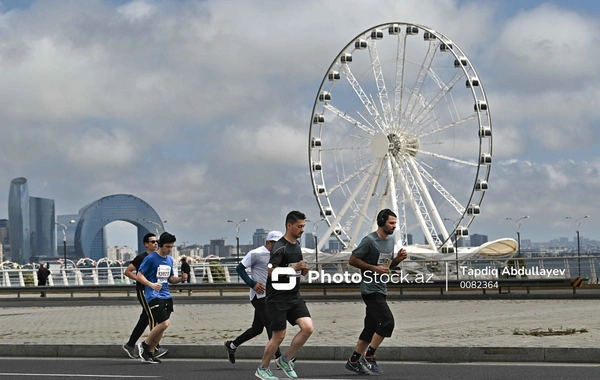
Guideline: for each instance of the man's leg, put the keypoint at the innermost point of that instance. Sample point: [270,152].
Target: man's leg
[257,325]
[306,330]
[156,334]
[272,346]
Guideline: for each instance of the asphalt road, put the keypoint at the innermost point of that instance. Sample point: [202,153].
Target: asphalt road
[175,369]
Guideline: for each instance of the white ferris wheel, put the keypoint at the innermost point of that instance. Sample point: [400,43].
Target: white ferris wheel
[400,121]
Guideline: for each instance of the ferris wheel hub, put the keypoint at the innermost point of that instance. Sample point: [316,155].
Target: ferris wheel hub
[407,144]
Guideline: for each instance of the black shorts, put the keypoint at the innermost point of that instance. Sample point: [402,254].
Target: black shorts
[280,312]
[378,319]
[160,310]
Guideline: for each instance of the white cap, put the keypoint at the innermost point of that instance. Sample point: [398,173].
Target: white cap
[274,236]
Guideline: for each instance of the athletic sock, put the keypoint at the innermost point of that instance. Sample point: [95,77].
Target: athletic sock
[355,357]
[371,351]
[285,358]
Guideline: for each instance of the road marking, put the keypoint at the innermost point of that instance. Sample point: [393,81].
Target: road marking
[74,375]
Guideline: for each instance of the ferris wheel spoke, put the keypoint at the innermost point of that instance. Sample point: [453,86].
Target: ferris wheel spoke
[351,199]
[370,107]
[365,206]
[382,93]
[448,126]
[433,211]
[413,194]
[415,93]
[443,157]
[399,76]
[349,178]
[440,189]
[349,119]
[343,148]
[444,90]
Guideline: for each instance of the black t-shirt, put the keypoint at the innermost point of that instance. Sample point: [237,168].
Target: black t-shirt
[283,254]
[136,262]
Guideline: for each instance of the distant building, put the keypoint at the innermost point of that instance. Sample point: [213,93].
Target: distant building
[309,240]
[259,238]
[477,240]
[217,247]
[18,220]
[42,218]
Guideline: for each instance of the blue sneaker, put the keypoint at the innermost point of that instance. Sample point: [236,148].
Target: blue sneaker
[265,374]
[359,367]
[287,367]
[373,367]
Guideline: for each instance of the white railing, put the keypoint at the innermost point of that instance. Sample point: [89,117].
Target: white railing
[483,269]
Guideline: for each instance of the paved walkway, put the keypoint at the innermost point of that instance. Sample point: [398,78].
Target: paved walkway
[476,323]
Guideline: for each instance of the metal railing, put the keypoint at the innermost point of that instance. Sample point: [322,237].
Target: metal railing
[210,273]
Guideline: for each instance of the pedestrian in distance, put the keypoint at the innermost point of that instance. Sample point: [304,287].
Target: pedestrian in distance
[185,268]
[374,256]
[283,300]
[256,260]
[131,348]
[42,275]
[155,273]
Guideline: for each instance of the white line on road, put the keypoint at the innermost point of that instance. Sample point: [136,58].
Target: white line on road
[41,375]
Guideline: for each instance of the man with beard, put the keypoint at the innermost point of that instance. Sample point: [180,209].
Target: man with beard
[284,302]
[374,257]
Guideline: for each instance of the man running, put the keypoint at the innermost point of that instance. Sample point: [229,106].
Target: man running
[155,273]
[283,300]
[257,261]
[374,255]
[151,243]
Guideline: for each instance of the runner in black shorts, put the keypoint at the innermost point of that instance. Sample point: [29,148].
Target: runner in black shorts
[374,256]
[283,300]
[151,243]
[156,272]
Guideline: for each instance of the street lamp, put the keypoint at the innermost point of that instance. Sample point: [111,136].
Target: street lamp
[64,230]
[456,237]
[577,224]
[518,224]
[156,226]
[237,235]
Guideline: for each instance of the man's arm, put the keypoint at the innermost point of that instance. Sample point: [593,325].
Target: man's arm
[142,280]
[129,272]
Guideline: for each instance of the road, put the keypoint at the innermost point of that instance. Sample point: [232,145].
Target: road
[176,369]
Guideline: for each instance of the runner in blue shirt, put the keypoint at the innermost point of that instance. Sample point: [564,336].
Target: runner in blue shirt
[155,273]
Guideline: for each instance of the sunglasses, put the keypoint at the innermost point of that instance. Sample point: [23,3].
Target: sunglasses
[152,241]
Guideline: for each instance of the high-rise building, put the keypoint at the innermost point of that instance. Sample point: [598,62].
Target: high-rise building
[476,240]
[259,238]
[42,218]
[217,247]
[4,239]
[18,221]
[309,240]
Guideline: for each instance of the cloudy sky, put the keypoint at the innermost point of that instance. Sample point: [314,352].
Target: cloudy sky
[202,108]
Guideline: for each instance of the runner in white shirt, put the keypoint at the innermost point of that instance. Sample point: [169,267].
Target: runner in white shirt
[257,260]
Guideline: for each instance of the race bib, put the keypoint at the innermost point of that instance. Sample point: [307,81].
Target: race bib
[385,259]
[163,273]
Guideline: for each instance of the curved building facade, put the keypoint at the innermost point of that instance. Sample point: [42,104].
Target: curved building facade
[90,234]
[18,221]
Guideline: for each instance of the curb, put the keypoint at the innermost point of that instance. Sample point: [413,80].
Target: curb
[418,354]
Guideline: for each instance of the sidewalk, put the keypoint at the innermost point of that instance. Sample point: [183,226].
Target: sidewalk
[446,331]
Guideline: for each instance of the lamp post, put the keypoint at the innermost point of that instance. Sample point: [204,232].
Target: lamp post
[456,237]
[237,236]
[577,224]
[518,224]
[156,226]
[64,230]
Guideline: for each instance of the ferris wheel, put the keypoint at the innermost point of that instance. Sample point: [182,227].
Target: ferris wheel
[400,121]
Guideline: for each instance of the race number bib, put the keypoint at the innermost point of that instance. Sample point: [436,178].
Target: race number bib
[163,273]
[385,259]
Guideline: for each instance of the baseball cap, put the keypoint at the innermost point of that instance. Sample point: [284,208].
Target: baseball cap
[274,235]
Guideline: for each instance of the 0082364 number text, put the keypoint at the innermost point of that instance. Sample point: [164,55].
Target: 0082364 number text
[475,284]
